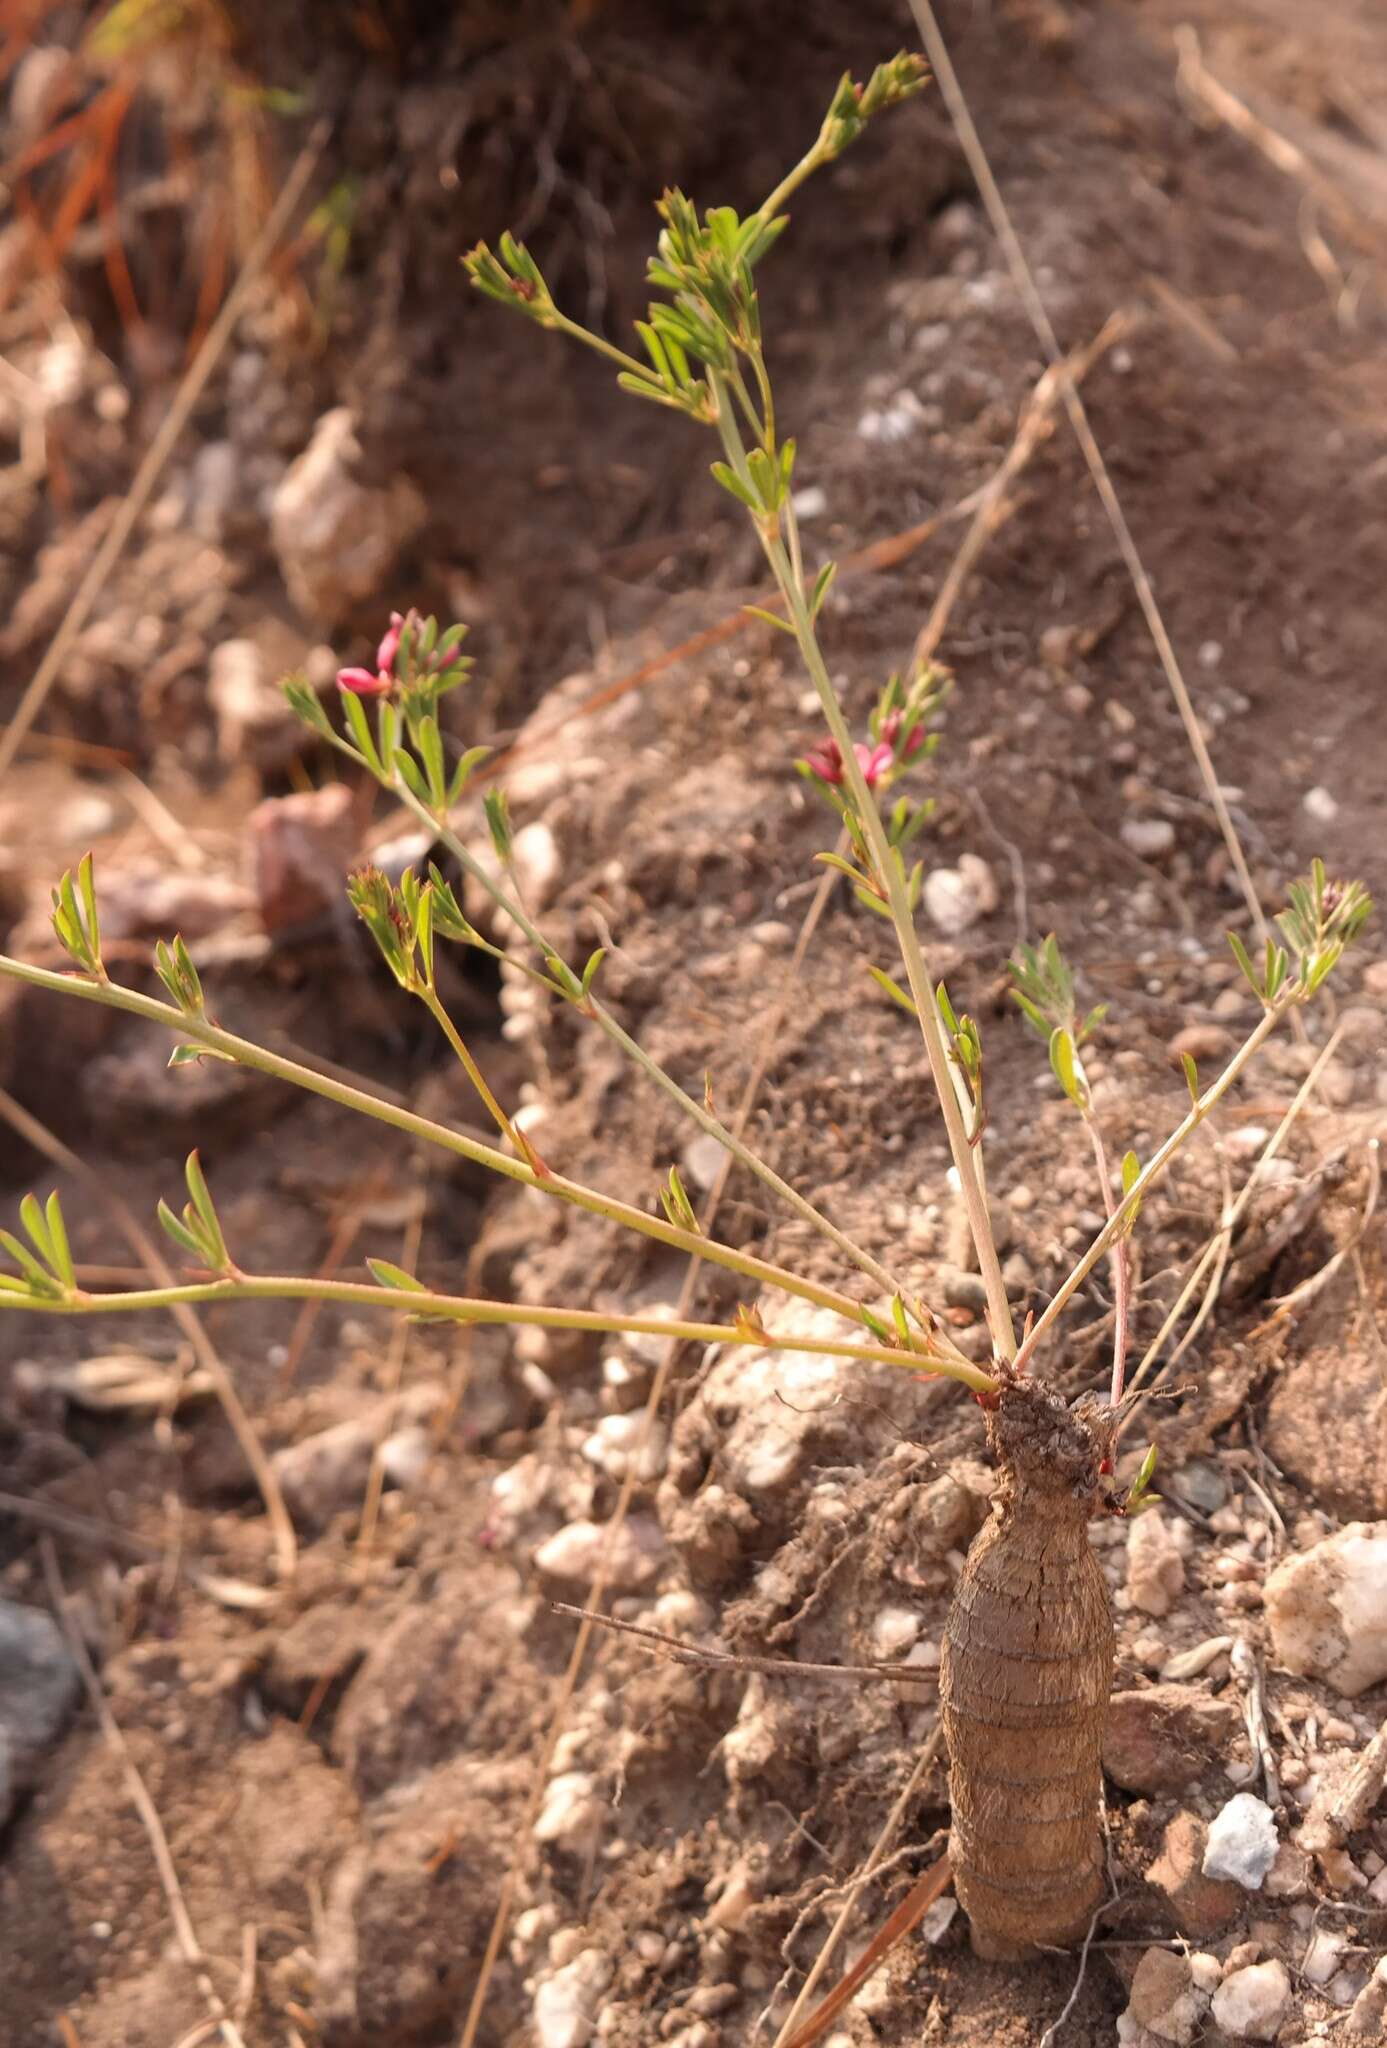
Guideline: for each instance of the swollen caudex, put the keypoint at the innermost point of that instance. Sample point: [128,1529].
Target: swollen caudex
[1024,1682]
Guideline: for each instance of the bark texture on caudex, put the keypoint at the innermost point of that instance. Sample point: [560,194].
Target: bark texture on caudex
[1024,1682]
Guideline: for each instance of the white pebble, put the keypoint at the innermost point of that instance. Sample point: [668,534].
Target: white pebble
[1251,2003]
[566,2003]
[1148,838]
[1241,1843]
[1320,805]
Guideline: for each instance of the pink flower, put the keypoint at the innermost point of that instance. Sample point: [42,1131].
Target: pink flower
[390,645]
[362,683]
[826,760]
[874,761]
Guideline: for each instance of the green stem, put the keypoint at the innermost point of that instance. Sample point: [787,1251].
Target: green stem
[633,1050]
[429,998]
[1149,1175]
[461,1309]
[200,1031]
[792,180]
[889,868]
[631,364]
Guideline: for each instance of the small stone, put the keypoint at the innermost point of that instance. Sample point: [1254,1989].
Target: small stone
[636,1557]
[302,847]
[1155,1566]
[1320,805]
[1375,978]
[895,1630]
[325,1472]
[1200,1906]
[1201,1042]
[810,503]
[1059,645]
[937,1921]
[39,1685]
[1164,1997]
[1242,1842]
[572,1811]
[1148,838]
[336,534]
[538,863]
[734,1901]
[956,898]
[1018,1275]
[1250,2004]
[963,1290]
[405,1454]
[702,1159]
[1160,1737]
[566,2004]
[1327,1609]
[1321,1959]
[1289,1876]
[1202,1483]
[254,721]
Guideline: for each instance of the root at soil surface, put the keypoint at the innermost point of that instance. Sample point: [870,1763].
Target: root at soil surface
[1024,1680]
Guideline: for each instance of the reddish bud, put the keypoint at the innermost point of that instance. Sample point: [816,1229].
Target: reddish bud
[390,645]
[890,729]
[826,760]
[362,683]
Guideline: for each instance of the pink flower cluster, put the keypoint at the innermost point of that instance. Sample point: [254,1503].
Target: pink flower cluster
[826,759]
[361,681]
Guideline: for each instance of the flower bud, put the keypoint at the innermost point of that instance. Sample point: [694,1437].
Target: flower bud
[874,761]
[390,644]
[825,760]
[362,683]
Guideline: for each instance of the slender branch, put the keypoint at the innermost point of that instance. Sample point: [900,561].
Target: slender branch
[199,1030]
[621,1038]
[1150,1174]
[633,366]
[422,1302]
[1121,1266]
[888,866]
[430,1000]
[792,180]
